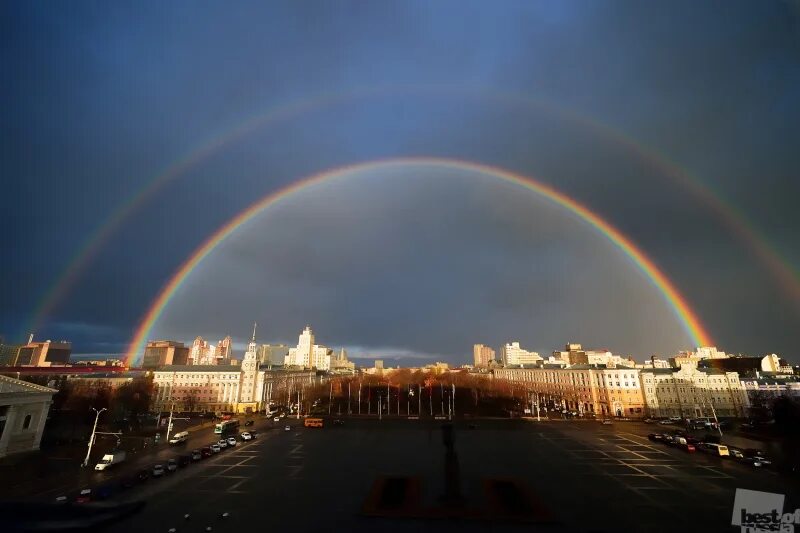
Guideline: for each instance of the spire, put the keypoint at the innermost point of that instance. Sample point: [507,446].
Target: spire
[254,331]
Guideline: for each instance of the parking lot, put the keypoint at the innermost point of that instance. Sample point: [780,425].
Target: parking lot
[569,476]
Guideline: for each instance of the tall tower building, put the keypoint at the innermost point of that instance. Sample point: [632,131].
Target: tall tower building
[249,370]
[482,355]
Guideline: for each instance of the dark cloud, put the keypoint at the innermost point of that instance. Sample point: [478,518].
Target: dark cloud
[105,99]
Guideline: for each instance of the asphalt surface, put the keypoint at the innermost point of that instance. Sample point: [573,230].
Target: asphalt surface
[577,476]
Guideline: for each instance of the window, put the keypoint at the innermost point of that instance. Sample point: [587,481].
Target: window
[27,422]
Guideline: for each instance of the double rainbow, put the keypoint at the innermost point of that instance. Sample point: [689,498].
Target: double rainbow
[677,302]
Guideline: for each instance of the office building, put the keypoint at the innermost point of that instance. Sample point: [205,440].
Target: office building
[513,355]
[482,355]
[47,353]
[8,354]
[307,354]
[272,354]
[161,353]
[582,389]
[691,392]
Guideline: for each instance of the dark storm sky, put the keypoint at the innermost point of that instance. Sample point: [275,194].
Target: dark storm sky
[98,98]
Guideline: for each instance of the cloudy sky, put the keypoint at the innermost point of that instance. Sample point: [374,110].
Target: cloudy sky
[677,123]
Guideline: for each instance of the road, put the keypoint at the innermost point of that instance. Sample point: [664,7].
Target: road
[565,476]
[71,478]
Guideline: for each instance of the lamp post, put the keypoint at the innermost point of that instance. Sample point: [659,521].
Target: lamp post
[91,440]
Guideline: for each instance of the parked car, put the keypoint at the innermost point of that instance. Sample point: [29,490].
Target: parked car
[246,436]
[254,434]
[248,423]
[607,422]
[287,428]
[648,421]
[184,460]
[158,470]
[222,443]
[276,419]
[758,455]
[215,448]
[687,446]
[206,451]
[84,496]
[338,422]
[656,437]
[172,465]
[196,455]
[666,422]
[231,441]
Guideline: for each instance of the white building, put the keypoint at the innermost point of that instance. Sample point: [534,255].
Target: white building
[512,355]
[307,354]
[690,392]
[23,414]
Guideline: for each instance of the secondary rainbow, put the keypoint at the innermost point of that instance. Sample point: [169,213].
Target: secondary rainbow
[691,323]
[783,271]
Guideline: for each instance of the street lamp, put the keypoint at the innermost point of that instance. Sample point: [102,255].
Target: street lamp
[91,440]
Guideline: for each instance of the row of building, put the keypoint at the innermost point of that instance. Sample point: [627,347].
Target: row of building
[692,384]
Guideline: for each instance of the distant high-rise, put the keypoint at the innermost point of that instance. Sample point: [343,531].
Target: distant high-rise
[44,353]
[8,354]
[513,355]
[307,354]
[161,353]
[272,354]
[482,355]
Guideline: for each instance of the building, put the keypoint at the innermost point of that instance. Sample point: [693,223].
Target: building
[747,366]
[47,353]
[225,388]
[341,364]
[8,354]
[584,389]
[693,358]
[307,354]
[482,355]
[512,355]
[160,353]
[691,392]
[574,354]
[272,354]
[763,390]
[225,348]
[23,414]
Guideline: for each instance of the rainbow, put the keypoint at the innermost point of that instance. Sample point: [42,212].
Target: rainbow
[786,275]
[678,303]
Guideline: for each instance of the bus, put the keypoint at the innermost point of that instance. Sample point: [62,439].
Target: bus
[313,422]
[227,426]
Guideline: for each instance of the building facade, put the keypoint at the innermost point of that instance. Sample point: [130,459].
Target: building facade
[272,354]
[512,355]
[229,388]
[481,355]
[690,392]
[584,389]
[23,414]
[8,354]
[47,353]
[161,353]
[307,354]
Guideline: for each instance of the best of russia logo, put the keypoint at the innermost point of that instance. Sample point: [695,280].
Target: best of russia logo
[760,512]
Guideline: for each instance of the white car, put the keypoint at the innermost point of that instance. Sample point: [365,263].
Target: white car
[215,448]
[231,441]
[246,436]
[276,419]
[222,443]
[158,470]
[287,428]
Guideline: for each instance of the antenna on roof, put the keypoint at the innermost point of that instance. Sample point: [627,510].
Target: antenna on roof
[254,331]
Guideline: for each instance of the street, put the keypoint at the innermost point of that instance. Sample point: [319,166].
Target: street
[573,476]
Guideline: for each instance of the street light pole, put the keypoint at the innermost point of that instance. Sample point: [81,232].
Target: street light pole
[91,440]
